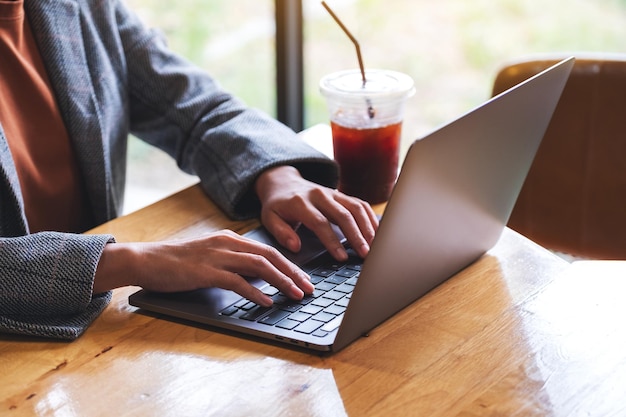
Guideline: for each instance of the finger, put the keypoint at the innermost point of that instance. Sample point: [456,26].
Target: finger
[319,224]
[257,260]
[284,233]
[293,286]
[236,283]
[357,220]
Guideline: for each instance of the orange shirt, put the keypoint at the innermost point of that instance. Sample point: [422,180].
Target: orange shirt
[46,165]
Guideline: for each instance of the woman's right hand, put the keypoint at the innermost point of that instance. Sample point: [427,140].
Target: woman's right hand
[221,259]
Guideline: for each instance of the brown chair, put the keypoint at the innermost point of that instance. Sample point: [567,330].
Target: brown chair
[574,199]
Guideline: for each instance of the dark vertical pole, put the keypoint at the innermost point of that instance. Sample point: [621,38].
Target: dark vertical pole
[289,63]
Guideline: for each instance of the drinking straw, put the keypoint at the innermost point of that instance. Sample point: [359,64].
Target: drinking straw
[352,38]
[370,110]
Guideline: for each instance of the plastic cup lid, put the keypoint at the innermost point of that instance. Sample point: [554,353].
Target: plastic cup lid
[380,84]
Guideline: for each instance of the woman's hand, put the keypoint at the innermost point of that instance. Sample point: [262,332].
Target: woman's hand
[221,259]
[289,200]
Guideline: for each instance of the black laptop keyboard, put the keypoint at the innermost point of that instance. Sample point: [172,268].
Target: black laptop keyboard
[319,313]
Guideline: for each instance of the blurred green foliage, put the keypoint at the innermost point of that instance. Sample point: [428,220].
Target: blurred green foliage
[452,48]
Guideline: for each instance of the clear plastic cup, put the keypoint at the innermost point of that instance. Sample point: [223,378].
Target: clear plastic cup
[366,121]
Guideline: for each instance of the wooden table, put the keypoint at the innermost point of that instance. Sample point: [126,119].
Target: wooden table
[520,332]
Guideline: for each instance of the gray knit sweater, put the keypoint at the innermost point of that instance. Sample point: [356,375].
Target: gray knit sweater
[111,77]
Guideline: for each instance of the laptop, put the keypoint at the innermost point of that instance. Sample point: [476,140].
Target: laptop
[453,197]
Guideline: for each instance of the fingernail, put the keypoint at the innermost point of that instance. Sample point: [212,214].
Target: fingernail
[292,245]
[296,292]
[341,254]
[309,286]
[266,301]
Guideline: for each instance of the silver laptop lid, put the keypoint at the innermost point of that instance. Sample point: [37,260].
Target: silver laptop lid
[453,197]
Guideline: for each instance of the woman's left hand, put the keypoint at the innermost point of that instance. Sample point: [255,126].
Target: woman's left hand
[289,200]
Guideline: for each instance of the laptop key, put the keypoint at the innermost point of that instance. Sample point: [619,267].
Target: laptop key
[322,302]
[323,272]
[290,306]
[318,293]
[274,317]
[335,309]
[334,265]
[270,290]
[229,311]
[280,298]
[305,300]
[345,288]
[323,317]
[333,324]
[308,326]
[335,295]
[316,279]
[300,316]
[335,279]
[326,285]
[352,281]
[287,324]
[256,312]
[310,309]
[343,302]
[320,333]
[347,273]
[242,302]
